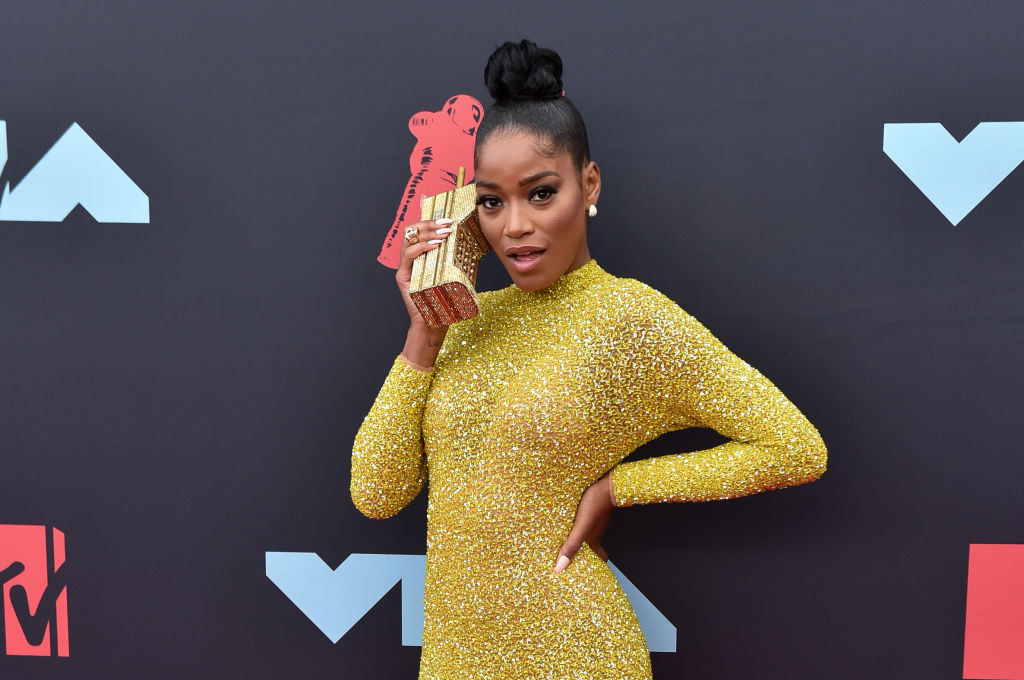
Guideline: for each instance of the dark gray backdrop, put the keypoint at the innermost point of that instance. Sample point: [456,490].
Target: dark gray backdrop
[180,397]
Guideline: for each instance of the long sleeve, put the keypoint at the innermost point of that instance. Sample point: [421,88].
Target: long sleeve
[694,379]
[389,467]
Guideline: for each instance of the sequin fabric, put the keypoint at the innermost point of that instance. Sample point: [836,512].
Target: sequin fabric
[529,403]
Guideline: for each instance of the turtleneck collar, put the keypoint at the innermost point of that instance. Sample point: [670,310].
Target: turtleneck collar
[566,284]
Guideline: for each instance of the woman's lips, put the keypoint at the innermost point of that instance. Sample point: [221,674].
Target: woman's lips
[527,261]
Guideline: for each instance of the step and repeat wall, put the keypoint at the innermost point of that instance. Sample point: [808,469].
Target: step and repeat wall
[199,223]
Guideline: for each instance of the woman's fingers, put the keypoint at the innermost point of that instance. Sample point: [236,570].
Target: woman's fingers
[597,535]
[431,233]
[568,551]
[578,533]
[592,516]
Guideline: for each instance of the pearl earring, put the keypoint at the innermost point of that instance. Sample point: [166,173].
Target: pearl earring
[592,211]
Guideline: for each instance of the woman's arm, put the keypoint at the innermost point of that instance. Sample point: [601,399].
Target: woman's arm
[389,466]
[697,380]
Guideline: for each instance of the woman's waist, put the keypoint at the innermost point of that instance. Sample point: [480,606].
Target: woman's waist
[486,581]
[497,526]
[495,539]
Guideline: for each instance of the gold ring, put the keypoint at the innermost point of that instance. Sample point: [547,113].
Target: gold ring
[412,234]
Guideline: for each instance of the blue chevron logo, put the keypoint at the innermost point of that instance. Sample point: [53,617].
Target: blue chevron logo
[75,171]
[955,176]
[336,599]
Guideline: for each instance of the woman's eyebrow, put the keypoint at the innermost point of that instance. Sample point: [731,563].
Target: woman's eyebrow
[534,178]
[523,181]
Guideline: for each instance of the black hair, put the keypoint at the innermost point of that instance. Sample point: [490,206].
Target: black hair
[526,83]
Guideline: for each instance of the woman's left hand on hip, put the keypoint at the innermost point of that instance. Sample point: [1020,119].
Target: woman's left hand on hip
[592,516]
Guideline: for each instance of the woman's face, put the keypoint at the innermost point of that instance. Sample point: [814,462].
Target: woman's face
[532,202]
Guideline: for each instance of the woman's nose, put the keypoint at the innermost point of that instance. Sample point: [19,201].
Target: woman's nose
[518,222]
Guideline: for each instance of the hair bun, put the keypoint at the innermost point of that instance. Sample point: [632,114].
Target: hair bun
[520,71]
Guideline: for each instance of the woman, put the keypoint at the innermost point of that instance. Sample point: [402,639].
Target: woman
[520,416]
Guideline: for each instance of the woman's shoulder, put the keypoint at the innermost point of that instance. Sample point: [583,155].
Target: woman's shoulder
[651,313]
[639,299]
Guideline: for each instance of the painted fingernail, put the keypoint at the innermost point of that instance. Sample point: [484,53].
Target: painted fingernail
[444,220]
[435,241]
[443,232]
[562,563]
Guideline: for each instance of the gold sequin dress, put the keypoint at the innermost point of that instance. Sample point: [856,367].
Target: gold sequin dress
[529,403]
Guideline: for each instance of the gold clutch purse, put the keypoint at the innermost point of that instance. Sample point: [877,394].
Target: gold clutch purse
[444,278]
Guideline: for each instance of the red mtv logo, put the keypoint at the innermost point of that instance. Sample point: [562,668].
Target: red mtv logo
[32,574]
[994,632]
[444,141]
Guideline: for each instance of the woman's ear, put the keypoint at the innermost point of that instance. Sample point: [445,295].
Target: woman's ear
[591,183]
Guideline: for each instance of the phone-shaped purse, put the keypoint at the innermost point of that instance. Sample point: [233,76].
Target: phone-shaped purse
[444,278]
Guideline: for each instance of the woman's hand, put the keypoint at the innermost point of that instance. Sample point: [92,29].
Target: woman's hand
[429,230]
[592,515]
[422,344]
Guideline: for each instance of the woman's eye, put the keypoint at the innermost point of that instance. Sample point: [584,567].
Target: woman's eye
[488,202]
[544,193]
